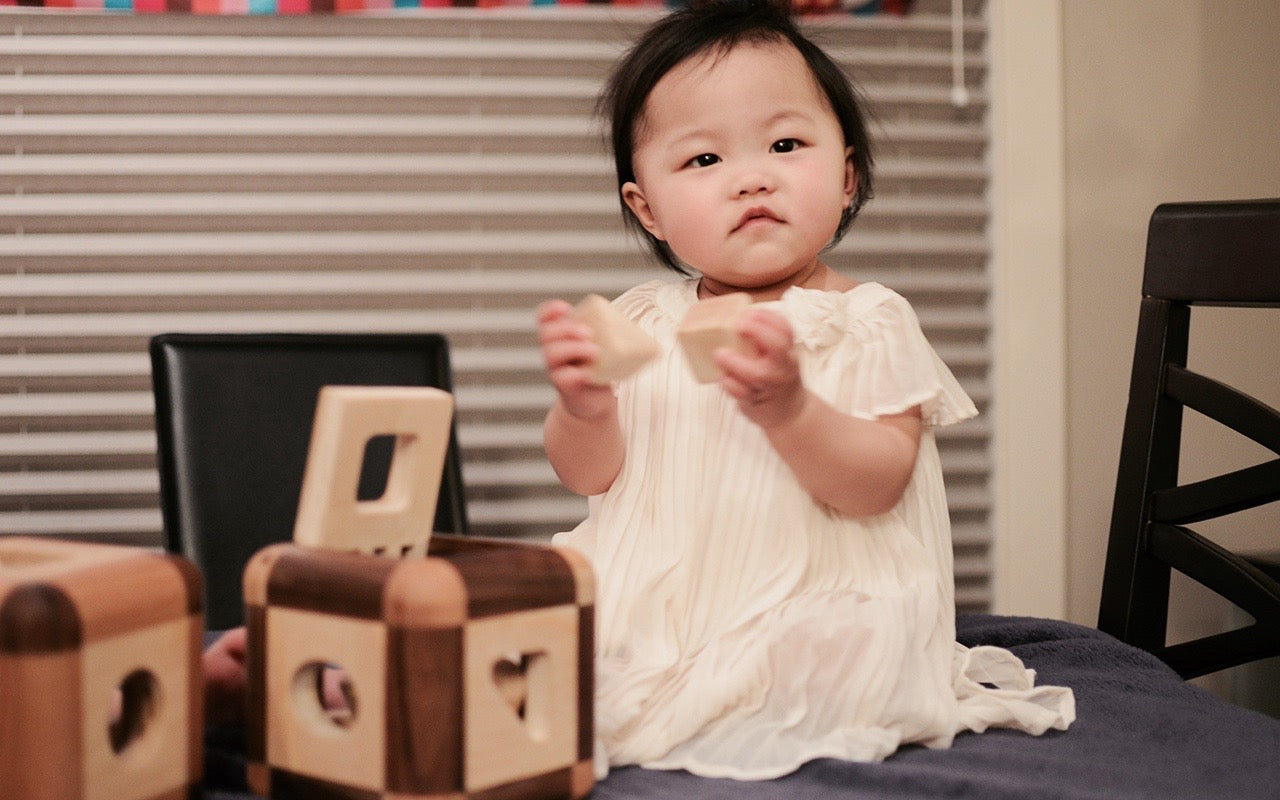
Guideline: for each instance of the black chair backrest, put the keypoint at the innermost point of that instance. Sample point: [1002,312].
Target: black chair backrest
[233,424]
[1219,253]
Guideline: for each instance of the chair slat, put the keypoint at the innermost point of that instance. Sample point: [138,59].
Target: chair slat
[1203,656]
[1231,407]
[1218,569]
[1218,496]
[1215,253]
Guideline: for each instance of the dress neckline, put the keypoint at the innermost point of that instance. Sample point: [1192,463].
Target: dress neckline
[675,298]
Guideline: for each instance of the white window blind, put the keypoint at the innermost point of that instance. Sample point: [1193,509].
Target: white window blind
[441,171]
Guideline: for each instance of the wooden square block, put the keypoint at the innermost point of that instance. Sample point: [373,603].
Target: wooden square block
[302,737]
[709,325]
[624,346]
[471,671]
[100,681]
[347,417]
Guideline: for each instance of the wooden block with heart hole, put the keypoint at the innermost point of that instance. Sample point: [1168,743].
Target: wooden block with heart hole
[470,672]
[100,683]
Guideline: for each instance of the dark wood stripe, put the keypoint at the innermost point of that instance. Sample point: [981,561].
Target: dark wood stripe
[586,681]
[445,545]
[39,618]
[256,691]
[344,584]
[554,785]
[286,785]
[502,577]
[424,712]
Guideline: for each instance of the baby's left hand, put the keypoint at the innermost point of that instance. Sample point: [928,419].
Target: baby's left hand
[765,379]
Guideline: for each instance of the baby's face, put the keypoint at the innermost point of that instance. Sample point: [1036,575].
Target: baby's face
[741,166]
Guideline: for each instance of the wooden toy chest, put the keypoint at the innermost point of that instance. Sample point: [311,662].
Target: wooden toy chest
[100,685]
[471,672]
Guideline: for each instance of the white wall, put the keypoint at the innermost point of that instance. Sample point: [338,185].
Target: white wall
[1165,100]
[1028,308]
[1161,100]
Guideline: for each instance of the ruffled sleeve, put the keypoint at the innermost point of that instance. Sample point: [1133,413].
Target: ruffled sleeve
[658,305]
[868,343]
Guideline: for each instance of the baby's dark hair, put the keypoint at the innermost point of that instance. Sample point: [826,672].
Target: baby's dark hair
[716,26]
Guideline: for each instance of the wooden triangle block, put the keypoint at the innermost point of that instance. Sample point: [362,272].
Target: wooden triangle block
[624,346]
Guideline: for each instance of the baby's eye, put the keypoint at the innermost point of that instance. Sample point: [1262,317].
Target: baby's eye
[704,160]
[784,146]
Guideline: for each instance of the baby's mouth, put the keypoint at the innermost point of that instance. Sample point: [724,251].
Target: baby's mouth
[756,214]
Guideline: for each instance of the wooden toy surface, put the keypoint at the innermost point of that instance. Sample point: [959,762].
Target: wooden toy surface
[99,672]
[330,515]
[471,671]
[707,326]
[468,662]
[624,346]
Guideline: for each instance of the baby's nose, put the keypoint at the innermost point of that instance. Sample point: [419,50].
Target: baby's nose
[754,183]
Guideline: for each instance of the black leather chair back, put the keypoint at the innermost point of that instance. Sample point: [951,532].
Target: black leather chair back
[233,423]
[1221,254]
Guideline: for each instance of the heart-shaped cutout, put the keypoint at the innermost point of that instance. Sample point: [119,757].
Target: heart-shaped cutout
[511,677]
[520,680]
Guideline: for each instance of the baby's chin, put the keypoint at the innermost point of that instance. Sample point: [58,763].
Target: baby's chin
[767,276]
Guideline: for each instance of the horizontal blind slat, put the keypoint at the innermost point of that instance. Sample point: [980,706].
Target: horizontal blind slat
[88,482]
[457,320]
[429,172]
[416,203]
[266,164]
[370,242]
[77,443]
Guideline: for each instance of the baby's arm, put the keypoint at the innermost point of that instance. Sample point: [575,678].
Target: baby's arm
[857,466]
[581,433]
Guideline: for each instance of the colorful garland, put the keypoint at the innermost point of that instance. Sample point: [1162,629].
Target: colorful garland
[268,7]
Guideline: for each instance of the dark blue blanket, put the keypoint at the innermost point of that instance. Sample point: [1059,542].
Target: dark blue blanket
[1140,732]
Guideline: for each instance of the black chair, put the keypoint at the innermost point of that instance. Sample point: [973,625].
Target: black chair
[233,423]
[1220,254]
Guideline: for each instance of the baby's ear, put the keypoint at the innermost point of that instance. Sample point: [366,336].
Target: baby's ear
[634,197]
[850,177]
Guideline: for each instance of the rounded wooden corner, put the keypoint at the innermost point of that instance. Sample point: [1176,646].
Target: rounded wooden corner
[39,618]
[584,577]
[192,581]
[425,593]
[258,572]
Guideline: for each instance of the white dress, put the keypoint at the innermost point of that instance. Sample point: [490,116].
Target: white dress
[745,628]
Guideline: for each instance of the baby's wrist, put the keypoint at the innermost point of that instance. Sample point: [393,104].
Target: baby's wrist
[589,412]
[792,410]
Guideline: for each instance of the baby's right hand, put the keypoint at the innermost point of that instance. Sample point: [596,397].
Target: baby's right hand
[569,350]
